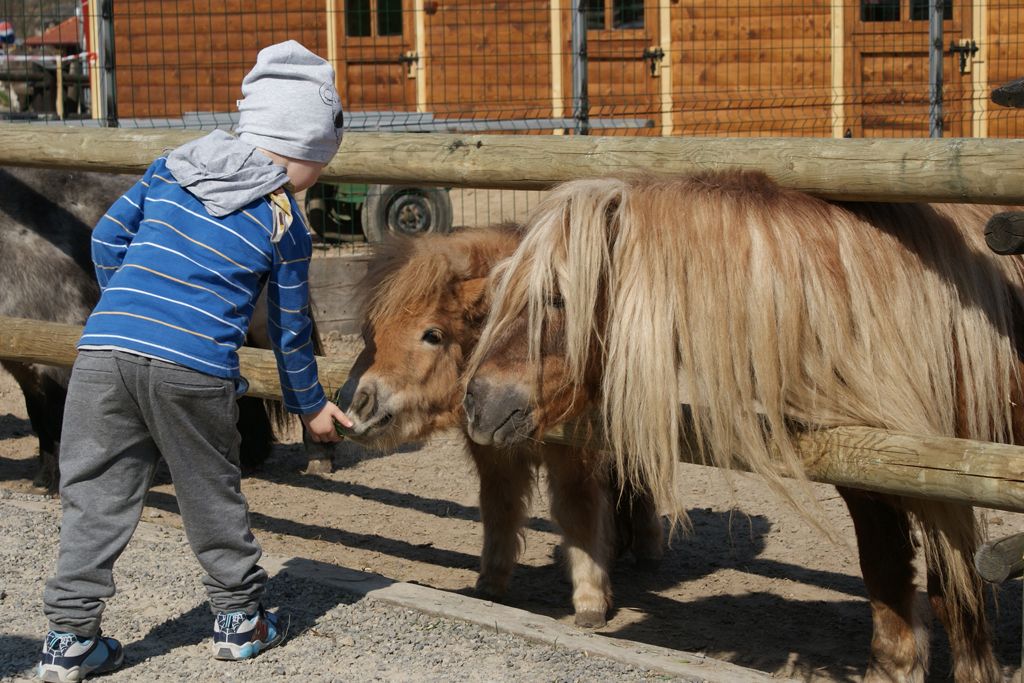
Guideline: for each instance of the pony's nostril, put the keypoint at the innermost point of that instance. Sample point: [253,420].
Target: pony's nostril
[468,404]
[361,401]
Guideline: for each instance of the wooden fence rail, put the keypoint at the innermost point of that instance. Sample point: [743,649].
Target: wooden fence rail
[940,170]
[956,470]
[36,341]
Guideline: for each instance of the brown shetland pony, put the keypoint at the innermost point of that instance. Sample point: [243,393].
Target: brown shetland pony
[427,303]
[767,311]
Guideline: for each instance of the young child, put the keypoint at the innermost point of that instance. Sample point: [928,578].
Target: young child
[181,259]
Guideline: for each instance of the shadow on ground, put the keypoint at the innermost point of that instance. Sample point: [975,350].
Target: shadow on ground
[19,655]
[299,603]
[832,635]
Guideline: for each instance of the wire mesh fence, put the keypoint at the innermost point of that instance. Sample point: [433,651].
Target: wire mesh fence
[823,68]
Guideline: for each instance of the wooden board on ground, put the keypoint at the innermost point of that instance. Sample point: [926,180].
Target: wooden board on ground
[504,619]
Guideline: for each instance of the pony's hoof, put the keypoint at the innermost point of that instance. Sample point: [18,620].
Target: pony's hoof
[46,481]
[487,590]
[591,619]
[319,466]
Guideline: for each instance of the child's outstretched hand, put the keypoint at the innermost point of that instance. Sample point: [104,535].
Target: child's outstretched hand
[321,424]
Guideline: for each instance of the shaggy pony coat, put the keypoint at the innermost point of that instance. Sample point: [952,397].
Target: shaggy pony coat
[777,313]
[427,301]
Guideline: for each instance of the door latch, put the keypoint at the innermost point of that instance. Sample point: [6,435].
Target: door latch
[410,58]
[965,50]
[654,56]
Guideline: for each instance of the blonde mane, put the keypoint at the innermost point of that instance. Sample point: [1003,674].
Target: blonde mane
[772,309]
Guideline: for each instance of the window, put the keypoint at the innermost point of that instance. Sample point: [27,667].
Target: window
[389,17]
[594,11]
[357,18]
[881,10]
[623,14]
[627,13]
[919,10]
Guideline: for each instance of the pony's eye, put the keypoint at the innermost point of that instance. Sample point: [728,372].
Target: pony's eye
[433,336]
[556,301]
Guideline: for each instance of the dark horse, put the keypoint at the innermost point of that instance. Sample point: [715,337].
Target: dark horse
[46,220]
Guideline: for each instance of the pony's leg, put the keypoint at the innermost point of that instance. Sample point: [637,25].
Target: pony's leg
[506,478]
[899,640]
[637,525]
[44,403]
[257,433]
[951,539]
[319,456]
[54,396]
[582,507]
[648,534]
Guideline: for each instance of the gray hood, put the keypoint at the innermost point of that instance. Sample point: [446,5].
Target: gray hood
[224,173]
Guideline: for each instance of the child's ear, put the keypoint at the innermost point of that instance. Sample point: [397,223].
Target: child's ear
[473,297]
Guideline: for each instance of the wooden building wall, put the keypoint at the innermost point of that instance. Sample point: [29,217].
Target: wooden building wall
[743,68]
[175,56]
[369,46]
[489,59]
[1005,63]
[732,67]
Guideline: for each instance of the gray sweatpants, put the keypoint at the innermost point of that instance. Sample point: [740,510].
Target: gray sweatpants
[122,412]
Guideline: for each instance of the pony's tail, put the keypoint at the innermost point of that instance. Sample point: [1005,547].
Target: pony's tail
[950,535]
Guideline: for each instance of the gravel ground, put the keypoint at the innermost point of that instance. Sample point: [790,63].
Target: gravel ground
[161,615]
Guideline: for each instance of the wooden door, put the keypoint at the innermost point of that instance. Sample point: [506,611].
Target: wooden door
[489,60]
[376,57]
[887,69]
[624,65]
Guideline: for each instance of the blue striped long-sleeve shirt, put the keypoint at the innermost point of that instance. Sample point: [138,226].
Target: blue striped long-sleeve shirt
[180,285]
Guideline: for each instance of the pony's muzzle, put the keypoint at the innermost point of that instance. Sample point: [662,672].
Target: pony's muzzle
[368,409]
[496,414]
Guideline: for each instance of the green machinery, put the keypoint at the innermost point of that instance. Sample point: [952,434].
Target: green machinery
[354,212]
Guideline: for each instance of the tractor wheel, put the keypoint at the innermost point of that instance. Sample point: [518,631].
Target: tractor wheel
[406,210]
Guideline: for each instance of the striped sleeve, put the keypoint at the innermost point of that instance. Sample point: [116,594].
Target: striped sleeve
[288,322]
[117,228]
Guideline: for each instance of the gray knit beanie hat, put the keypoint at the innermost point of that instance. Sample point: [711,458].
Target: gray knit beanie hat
[290,106]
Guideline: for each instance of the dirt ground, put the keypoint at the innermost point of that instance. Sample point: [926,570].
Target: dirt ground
[753,584]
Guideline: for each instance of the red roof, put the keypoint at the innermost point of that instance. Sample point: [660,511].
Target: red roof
[64,33]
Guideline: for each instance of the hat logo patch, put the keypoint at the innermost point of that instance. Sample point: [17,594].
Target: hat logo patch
[328,94]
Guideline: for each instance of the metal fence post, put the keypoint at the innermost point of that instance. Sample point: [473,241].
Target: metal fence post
[106,57]
[935,51]
[580,103]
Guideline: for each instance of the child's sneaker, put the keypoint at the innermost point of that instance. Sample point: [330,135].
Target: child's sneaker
[67,657]
[237,635]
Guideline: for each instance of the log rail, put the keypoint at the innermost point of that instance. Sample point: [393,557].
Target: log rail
[896,170]
[956,470]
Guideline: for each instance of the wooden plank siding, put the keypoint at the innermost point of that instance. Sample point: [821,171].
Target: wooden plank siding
[175,56]
[743,68]
[732,67]
[490,60]
[370,70]
[620,80]
[1005,60]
